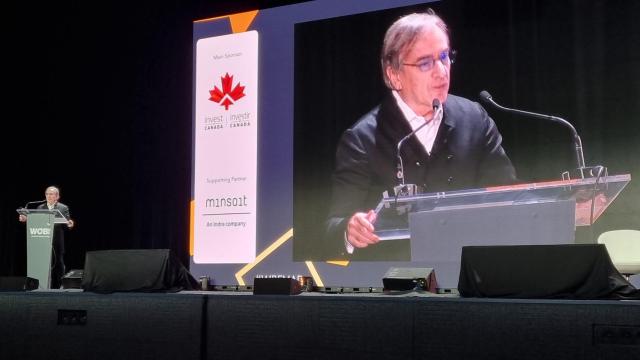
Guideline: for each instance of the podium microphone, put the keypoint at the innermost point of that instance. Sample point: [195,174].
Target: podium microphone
[486,97]
[26,206]
[437,112]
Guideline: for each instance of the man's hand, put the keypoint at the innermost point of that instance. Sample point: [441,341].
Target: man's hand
[360,230]
[22,218]
[70,224]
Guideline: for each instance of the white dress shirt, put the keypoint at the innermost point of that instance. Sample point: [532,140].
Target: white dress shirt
[426,135]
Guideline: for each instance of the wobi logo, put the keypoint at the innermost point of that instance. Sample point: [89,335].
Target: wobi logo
[227,96]
[40,231]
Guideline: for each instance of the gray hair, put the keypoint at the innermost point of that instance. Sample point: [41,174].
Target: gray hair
[401,36]
[54,189]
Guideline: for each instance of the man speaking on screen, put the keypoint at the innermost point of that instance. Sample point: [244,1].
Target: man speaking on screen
[459,147]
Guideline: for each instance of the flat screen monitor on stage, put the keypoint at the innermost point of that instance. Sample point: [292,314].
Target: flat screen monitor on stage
[274,91]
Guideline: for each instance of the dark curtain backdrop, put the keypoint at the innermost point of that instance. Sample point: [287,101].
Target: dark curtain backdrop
[97,101]
[579,60]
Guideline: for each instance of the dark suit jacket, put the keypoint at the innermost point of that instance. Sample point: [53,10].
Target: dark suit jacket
[467,153]
[58,229]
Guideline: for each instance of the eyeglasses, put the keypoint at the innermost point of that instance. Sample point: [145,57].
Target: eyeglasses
[447,57]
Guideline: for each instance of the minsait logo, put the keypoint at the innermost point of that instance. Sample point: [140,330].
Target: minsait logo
[40,231]
[227,96]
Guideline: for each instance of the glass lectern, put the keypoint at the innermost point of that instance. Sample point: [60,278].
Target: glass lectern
[440,224]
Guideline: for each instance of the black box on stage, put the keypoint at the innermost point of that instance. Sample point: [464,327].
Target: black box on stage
[403,279]
[72,279]
[276,286]
[139,270]
[18,283]
[571,271]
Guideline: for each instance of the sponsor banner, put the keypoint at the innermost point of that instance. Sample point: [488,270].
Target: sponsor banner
[226,157]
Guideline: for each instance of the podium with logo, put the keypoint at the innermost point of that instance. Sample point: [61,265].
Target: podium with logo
[440,224]
[40,227]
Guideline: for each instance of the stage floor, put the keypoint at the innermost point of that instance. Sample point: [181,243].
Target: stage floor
[70,324]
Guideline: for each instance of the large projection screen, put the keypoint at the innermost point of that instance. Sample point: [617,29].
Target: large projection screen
[274,90]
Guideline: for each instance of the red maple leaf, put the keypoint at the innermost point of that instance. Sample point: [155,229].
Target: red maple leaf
[226,96]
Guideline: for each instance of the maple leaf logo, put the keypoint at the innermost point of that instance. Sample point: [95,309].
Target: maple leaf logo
[226,96]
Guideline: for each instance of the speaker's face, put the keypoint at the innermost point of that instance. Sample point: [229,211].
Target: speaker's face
[424,74]
[52,195]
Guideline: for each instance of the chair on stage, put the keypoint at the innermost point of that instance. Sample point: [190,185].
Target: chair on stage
[624,249]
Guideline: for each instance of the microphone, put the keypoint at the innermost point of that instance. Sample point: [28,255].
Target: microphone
[438,113]
[486,97]
[34,202]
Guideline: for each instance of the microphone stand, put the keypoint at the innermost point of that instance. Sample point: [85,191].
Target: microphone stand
[484,95]
[411,189]
[26,206]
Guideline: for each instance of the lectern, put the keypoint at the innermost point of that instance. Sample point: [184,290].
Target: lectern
[40,224]
[440,224]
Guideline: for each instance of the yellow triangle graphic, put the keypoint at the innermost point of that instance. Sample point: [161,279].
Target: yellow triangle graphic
[240,22]
[338,262]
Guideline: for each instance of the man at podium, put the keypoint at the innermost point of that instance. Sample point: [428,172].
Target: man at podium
[456,144]
[52,195]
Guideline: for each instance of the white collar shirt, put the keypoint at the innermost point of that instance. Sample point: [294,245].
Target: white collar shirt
[426,135]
